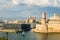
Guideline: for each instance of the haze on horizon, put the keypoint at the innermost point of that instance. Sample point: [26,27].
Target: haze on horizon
[25,8]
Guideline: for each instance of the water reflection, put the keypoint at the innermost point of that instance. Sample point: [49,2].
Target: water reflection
[45,36]
[31,36]
[41,36]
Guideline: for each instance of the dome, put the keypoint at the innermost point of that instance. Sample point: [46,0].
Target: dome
[55,17]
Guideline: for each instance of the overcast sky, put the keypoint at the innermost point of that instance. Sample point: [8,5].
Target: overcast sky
[25,8]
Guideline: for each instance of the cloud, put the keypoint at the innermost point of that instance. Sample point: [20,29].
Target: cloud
[16,2]
[12,3]
[7,4]
[37,2]
[54,3]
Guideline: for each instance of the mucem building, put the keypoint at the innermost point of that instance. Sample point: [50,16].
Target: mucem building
[24,27]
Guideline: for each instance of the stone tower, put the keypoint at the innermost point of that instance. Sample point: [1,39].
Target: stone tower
[43,20]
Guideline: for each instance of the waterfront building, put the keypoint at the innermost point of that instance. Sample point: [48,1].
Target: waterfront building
[41,26]
[12,21]
[48,25]
[6,21]
[32,21]
[54,23]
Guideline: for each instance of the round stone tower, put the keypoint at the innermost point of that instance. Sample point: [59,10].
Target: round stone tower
[43,21]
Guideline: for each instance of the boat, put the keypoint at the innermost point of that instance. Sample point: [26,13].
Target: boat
[23,33]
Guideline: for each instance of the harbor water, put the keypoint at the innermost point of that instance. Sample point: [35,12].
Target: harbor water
[31,36]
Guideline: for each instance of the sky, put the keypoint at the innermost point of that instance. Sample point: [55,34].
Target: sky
[21,9]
